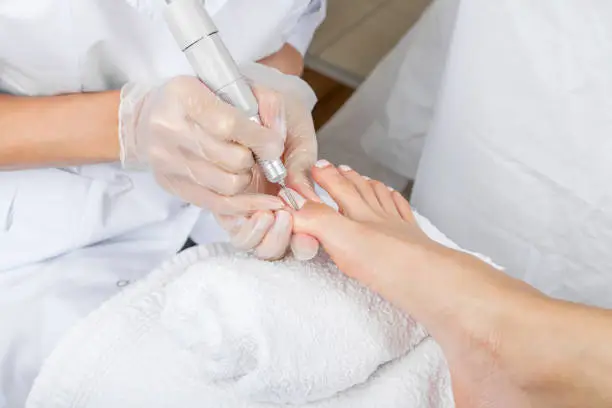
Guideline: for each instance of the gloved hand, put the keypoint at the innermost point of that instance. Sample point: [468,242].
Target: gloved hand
[201,150]
[267,233]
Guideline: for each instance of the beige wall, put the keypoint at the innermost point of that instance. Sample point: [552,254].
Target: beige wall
[358,33]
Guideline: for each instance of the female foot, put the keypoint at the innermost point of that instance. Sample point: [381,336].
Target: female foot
[376,240]
[374,222]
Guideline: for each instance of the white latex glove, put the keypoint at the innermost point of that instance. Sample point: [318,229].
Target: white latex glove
[268,233]
[201,150]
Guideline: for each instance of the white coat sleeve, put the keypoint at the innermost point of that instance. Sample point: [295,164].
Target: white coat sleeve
[301,35]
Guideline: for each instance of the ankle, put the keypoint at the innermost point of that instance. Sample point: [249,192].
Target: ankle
[484,312]
[511,333]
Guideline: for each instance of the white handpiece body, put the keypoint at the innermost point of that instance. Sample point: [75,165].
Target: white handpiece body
[198,38]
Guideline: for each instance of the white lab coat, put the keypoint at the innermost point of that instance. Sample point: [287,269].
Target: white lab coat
[72,237]
[515,100]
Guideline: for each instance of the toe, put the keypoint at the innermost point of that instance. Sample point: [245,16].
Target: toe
[356,248]
[304,247]
[385,197]
[403,207]
[333,230]
[362,185]
[341,190]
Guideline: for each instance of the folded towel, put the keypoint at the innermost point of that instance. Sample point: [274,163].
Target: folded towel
[283,332]
[214,328]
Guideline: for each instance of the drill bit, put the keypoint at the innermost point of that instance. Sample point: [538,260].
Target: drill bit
[289,196]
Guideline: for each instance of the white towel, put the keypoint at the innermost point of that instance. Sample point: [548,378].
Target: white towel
[283,332]
[217,329]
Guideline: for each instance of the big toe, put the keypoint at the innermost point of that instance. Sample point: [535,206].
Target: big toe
[304,247]
[334,231]
[358,251]
[312,218]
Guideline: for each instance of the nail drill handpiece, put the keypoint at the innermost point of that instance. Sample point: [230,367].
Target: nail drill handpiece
[198,38]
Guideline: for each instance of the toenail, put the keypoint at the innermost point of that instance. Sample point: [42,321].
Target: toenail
[304,254]
[390,188]
[321,164]
[367,178]
[344,167]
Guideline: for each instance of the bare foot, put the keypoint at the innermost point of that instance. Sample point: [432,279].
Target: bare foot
[376,240]
[378,215]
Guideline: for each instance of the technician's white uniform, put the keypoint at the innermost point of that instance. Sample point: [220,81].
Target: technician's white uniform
[515,100]
[72,237]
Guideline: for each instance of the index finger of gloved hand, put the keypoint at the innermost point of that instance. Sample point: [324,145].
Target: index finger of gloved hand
[275,243]
[178,160]
[304,247]
[242,204]
[247,233]
[188,91]
[228,156]
[224,122]
[214,178]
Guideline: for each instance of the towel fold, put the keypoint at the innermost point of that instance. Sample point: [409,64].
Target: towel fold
[286,332]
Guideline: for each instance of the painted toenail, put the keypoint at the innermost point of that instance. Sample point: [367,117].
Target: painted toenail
[344,167]
[321,164]
[304,254]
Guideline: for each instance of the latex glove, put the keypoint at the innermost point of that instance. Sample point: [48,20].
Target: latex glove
[266,233]
[199,148]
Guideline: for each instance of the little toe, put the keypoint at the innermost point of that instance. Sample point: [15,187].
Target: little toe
[362,185]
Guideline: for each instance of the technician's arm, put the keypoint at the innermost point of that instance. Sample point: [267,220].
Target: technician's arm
[210,165]
[77,129]
[58,130]
[287,60]
[290,58]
